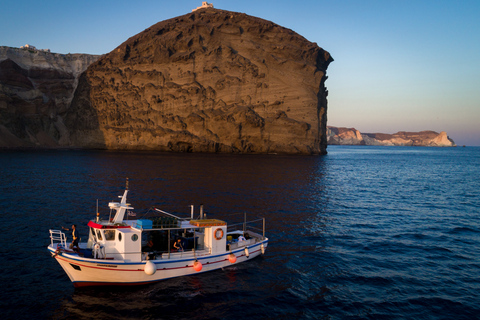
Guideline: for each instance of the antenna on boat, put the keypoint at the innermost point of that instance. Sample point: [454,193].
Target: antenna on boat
[127,184]
[98,213]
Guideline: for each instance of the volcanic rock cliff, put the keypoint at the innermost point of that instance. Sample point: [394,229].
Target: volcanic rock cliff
[36,89]
[208,81]
[351,136]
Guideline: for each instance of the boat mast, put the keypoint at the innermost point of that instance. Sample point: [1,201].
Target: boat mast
[121,207]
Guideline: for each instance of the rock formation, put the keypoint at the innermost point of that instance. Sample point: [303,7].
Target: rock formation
[208,81]
[351,136]
[344,136]
[36,89]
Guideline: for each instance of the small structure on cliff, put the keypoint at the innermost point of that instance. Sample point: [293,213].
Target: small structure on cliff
[28,47]
[204,5]
[33,48]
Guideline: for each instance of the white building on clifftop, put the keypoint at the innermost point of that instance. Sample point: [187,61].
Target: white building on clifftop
[204,5]
[29,47]
[33,48]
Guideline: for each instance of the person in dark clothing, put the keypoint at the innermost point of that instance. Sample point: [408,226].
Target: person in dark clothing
[178,245]
[74,243]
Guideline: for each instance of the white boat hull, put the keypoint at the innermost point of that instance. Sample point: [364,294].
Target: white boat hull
[97,272]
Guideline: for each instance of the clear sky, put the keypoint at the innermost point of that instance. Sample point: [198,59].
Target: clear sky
[400,65]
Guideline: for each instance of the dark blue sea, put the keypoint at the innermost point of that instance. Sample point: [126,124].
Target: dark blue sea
[361,233]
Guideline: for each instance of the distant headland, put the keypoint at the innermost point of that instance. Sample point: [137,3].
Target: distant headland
[351,136]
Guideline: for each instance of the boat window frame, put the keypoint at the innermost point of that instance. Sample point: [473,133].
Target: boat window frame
[109,234]
[93,234]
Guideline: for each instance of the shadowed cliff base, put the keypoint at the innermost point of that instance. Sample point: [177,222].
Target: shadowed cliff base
[208,81]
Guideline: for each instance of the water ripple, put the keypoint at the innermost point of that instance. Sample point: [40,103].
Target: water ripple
[362,233]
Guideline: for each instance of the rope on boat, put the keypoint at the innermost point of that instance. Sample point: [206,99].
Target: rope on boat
[58,251]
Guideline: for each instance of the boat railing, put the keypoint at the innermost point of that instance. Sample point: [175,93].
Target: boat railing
[186,253]
[58,236]
[253,225]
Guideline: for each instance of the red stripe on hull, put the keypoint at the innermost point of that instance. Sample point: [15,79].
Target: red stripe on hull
[103,284]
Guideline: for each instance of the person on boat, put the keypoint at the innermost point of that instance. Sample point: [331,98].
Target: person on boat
[178,245]
[74,244]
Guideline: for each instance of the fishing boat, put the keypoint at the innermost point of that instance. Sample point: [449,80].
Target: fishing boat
[124,251]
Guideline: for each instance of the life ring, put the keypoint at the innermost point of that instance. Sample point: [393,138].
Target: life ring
[218,234]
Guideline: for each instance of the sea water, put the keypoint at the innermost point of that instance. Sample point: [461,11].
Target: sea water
[361,233]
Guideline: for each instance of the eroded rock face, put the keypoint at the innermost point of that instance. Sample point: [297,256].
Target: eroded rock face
[351,136]
[208,81]
[36,89]
[344,136]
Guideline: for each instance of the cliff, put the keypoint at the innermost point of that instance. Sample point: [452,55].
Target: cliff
[351,136]
[36,90]
[208,81]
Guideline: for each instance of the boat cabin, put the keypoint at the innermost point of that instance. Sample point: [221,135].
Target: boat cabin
[145,239]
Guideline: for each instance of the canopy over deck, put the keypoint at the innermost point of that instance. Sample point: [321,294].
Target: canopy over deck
[208,223]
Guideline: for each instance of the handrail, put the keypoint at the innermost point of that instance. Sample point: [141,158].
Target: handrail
[57,235]
[249,223]
[241,223]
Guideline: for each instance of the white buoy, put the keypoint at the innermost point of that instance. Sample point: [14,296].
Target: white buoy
[246,252]
[263,248]
[150,268]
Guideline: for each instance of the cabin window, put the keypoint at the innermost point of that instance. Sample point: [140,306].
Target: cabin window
[109,235]
[99,235]
[119,237]
[92,232]
[134,237]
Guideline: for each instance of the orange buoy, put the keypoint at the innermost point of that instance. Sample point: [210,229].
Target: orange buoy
[232,258]
[197,266]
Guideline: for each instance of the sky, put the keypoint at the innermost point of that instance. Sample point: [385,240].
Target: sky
[400,65]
